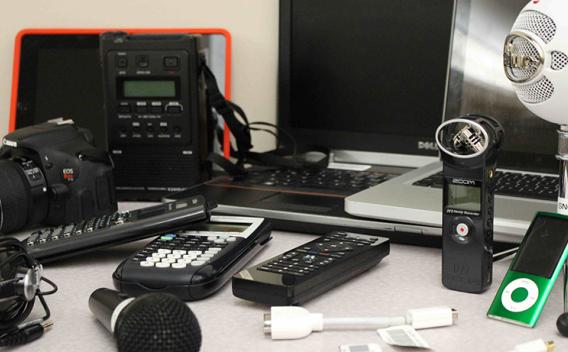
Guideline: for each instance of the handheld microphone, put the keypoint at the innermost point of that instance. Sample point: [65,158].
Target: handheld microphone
[154,322]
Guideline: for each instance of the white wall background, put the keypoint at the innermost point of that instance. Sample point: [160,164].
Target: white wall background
[253,25]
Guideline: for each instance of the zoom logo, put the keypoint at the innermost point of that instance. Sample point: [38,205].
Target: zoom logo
[463,181]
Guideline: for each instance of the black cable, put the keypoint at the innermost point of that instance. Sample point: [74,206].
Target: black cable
[52,284]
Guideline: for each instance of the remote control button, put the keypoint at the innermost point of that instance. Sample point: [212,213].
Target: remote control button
[179,265]
[198,263]
[165,251]
[527,302]
[146,264]
[162,265]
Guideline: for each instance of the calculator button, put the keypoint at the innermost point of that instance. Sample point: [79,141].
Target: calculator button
[164,250]
[211,238]
[152,259]
[162,265]
[169,260]
[194,252]
[207,255]
[158,255]
[179,265]
[189,256]
[231,239]
[180,252]
[146,264]
[198,263]
[220,240]
[174,256]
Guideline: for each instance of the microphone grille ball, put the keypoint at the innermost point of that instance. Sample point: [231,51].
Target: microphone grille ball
[157,322]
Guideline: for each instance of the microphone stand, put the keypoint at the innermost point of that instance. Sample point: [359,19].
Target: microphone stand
[562,156]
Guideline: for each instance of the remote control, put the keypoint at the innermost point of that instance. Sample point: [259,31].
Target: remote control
[310,269]
[195,262]
[51,244]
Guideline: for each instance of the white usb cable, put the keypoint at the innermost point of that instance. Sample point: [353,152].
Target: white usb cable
[297,322]
[535,346]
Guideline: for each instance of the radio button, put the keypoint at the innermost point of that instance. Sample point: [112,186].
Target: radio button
[142,61]
[171,62]
[121,61]
[156,107]
[174,108]
[141,107]
[124,108]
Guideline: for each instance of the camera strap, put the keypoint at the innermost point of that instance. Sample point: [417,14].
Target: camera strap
[279,157]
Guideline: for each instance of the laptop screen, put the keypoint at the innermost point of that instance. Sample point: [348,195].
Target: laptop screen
[367,75]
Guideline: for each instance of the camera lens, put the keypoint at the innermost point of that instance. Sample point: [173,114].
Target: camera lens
[23,199]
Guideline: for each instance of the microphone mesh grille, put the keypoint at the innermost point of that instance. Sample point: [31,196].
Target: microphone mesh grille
[157,322]
[524,48]
[537,23]
[559,60]
[537,92]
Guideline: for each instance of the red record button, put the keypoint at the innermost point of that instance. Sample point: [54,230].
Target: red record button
[462,229]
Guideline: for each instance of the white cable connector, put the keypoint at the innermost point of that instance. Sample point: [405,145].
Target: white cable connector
[297,322]
[535,346]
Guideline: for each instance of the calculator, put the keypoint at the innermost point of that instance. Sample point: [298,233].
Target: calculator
[194,262]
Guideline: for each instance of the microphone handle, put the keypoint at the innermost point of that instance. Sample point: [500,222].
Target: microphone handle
[106,304]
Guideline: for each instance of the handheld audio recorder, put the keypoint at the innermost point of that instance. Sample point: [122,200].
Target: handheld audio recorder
[537,264]
[156,112]
[469,146]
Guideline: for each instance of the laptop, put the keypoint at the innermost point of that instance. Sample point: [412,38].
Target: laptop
[527,180]
[368,82]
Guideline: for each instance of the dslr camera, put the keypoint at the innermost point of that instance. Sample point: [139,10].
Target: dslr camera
[52,175]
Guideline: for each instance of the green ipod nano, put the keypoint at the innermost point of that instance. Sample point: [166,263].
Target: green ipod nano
[533,272]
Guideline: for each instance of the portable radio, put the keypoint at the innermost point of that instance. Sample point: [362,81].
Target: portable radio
[469,147]
[156,112]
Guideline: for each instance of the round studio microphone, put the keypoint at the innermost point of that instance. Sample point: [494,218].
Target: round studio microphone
[154,322]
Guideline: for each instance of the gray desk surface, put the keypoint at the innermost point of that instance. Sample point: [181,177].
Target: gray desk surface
[408,278]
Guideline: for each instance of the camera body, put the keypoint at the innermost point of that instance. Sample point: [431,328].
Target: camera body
[52,175]
[469,146]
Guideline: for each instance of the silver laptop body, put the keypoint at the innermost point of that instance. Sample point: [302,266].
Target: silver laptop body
[477,85]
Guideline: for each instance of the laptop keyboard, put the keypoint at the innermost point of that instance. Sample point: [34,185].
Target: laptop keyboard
[510,184]
[334,180]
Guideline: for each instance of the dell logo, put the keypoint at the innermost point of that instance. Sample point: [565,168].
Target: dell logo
[461,181]
[422,145]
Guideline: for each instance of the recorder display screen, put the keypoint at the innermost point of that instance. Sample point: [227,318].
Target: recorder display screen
[149,89]
[462,197]
[543,247]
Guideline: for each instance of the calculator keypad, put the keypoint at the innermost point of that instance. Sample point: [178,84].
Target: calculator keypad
[183,249]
